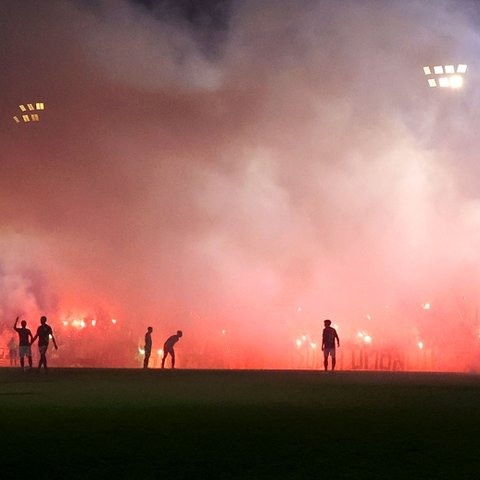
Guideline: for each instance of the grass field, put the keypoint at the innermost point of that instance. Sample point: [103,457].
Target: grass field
[184,424]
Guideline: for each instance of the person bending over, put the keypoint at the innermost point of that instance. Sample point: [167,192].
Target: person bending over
[168,348]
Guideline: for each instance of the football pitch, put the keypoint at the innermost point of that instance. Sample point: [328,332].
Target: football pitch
[203,424]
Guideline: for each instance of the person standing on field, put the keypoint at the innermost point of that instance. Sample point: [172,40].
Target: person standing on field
[148,346]
[12,352]
[44,333]
[24,342]
[168,347]
[329,337]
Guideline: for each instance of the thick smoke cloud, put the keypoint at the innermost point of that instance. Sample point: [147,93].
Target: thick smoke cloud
[256,175]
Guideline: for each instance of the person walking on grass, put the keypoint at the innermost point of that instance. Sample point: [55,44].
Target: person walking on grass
[44,333]
[329,337]
[24,341]
[168,347]
[148,346]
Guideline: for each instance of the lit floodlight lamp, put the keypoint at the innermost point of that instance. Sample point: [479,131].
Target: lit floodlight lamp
[456,81]
[33,107]
[446,76]
[444,82]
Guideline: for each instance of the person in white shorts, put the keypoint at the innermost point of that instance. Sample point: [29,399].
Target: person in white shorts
[328,344]
[24,341]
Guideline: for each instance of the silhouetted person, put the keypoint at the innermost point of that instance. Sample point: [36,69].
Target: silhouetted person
[328,344]
[168,348]
[12,352]
[24,342]
[148,346]
[44,333]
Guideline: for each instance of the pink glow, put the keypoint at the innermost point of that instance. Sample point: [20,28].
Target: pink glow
[301,170]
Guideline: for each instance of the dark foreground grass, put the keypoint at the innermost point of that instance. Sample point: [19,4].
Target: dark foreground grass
[128,424]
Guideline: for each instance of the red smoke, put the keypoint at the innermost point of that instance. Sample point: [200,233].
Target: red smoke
[296,167]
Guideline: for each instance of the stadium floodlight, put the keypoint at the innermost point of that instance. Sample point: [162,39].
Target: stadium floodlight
[446,76]
[32,108]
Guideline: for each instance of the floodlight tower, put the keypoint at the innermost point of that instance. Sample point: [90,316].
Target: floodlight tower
[29,112]
[446,76]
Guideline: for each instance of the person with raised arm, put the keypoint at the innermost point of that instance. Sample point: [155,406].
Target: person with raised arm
[24,341]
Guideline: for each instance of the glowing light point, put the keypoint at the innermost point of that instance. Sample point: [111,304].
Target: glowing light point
[360,334]
[444,82]
[427,306]
[224,332]
[367,339]
[420,345]
[313,344]
[369,317]
[299,309]
[65,322]
[93,322]
[114,321]
[445,76]
[299,343]
[304,338]
[160,351]
[456,81]
[141,351]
